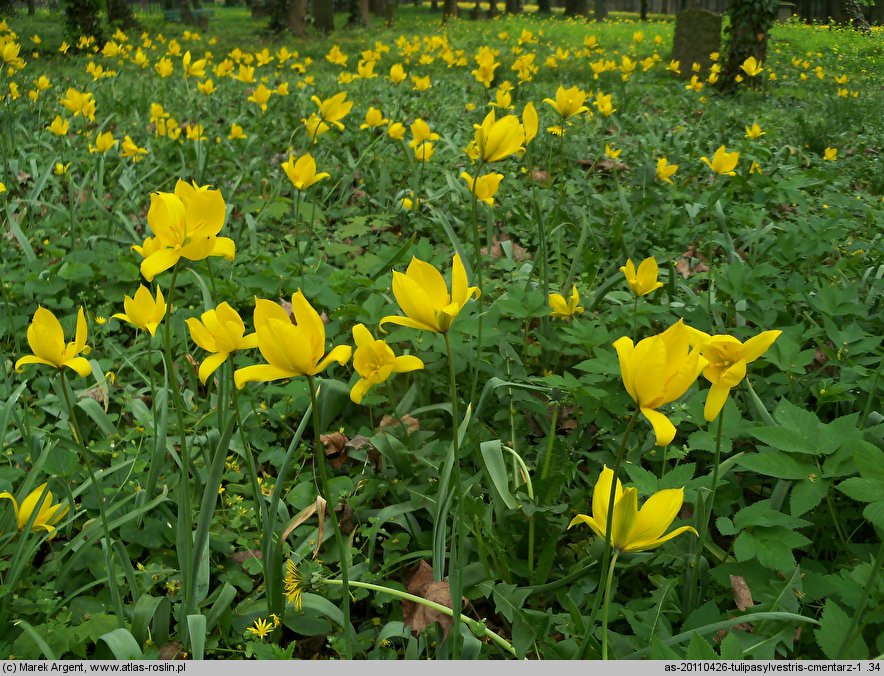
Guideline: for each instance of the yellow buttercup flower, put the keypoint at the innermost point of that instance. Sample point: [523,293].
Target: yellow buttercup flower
[185,224]
[424,298]
[565,309]
[48,515]
[727,359]
[302,173]
[665,170]
[46,340]
[374,361]
[659,370]
[485,187]
[499,139]
[221,332]
[291,350]
[633,529]
[143,311]
[568,102]
[643,281]
[723,162]
[751,67]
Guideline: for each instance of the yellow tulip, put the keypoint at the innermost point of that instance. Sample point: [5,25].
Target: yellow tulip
[424,298]
[751,67]
[47,516]
[374,118]
[723,162]
[603,104]
[80,103]
[46,340]
[333,110]
[236,132]
[611,153]
[374,361]
[315,126]
[132,149]
[562,309]
[302,173]
[291,349]
[633,529]
[185,224]
[142,311]
[193,68]
[530,122]
[103,142]
[659,370]
[643,281]
[219,331]
[396,130]
[424,151]
[498,139]
[420,132]
[830,154]
[665,170]
[568,102]
[753,132]
[485,187]
[260,96]
[727,359]
[397,73]
[59,126]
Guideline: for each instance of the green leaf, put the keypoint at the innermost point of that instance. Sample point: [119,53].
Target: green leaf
[783,439]
[196,629]
[806,495]
[861,490]
[496,468]
[699,649]
[874,512]
[731,648]
[832,634]
[775,464]
[122,644]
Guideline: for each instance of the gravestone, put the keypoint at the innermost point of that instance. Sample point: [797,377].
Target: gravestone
[697,35]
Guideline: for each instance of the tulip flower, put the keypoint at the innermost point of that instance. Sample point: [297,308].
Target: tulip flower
[315,126]
[530,122]
[568,102]
[103,142]
[727,359]
[80,103]
[46,339]
[397,73]
[374,118]
[420,132]
[47,516]
[562,309]
[424,298]
[751,67]
[142,311]
[604,105]
[754,132]
[723,162]
[260,96]
[424,151]
[659,370]
[611,153]
[185,224]
[830,154]
[333,110]
[236,132]
[396,131]
[374,361]
[302,173]
[643,281]
[498,139]
[195,69]
[665,170]
[219,331]
[59,126]
[132,149]
[633,529]
[485,187]
[291,349]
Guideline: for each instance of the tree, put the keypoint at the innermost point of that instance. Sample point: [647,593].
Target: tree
[852,13]
[81,19]
[745,36]
[119,14]
[576,7]
[544,7]
[601,10]
[357,12]
[643,10]
[449,8]
[513,6]
[324,15]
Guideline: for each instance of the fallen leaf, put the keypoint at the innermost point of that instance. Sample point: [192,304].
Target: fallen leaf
[243,556]
[742,594]
[171,651]
[418,616]
[690,264]
[391,423]
[335,448]
[318,507]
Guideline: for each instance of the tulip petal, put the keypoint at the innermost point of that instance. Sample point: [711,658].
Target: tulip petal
[657,514]
[406,321]
[649,377]
[32,359]
[223,246]
[259,373]
[340,354]
[598,528]
[415,302]
[159,261]
[80,365]
[639,546]
[210,365]
[625,513]
[200,334]
[715,401]
[601,496]
[758,345]
[461,291]
[358,391]
[406,363]
[45,335]
[310,324]
[663,428]
[430,281]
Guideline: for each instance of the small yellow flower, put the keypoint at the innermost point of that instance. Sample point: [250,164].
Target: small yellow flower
[236,132]
[374,118]
[568,102]
[375,362]
[143,311]
[611,153]
[665,170]
[421,84]
[101,321]
[293,584]
[46,340]
[643,281]
[751,67]
[723,162]
[61,169]
[59,126]
[485,187]
[754,132]
[565,309]
[302,173]
[633,529]
[396,130]
[46,517]
[830,154]
[104,141]
[262,628]
[131,149]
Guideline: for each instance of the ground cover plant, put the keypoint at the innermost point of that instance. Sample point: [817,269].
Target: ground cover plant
[302,341]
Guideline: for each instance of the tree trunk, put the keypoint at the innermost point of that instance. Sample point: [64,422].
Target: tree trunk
[575,7]
[513,6]
[544,7]
[434,5]
[492,9]
[357,13]
[324,15]
[449,8]
[296,17]
[750,21]
[853,15]
[32,7]
[119,14]
[81,19]
[377,7]
[644,10]
[601,10]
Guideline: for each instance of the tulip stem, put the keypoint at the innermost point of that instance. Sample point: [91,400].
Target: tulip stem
[608,601]
[108,551]
[606,555]
[349,641]
[634,314]
[456,562]
[707,515]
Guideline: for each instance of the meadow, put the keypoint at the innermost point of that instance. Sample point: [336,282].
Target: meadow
[301,340]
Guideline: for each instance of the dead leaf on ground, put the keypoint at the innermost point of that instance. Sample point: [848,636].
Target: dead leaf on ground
[520,253]
[690,263]
[245,555]
[98,392]
[318,507]
[418,616]
[335,448]
[171,651]
[390,424]
[742,593]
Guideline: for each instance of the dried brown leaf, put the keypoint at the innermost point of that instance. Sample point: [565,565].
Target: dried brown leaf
[335,448]
[245,555]
[390,423]
[171,651]
[418,616]
[318,507]
[742,594]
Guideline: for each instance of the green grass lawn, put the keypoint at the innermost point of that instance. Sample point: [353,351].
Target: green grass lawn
[446,377]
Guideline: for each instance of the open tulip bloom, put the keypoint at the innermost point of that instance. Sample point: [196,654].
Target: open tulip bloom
[220,332]
[47,516]
[644,280]
[142,311]
[374,361]
[424,298]
[291,349]
[659,370]
[46,339]
[633,529]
